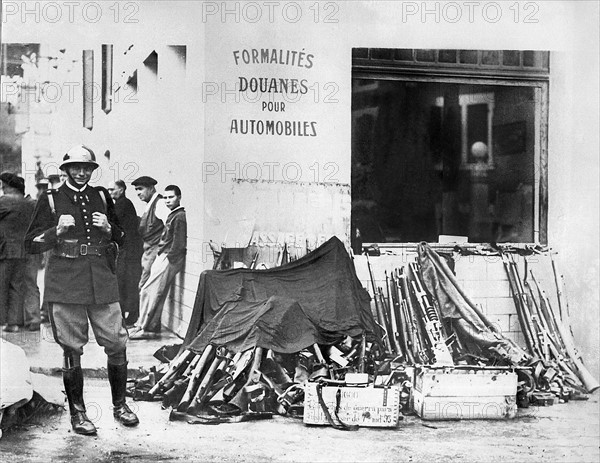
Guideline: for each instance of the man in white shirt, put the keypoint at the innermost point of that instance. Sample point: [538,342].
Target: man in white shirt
[152,222]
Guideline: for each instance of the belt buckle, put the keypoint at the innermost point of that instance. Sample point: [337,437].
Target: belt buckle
[83,249]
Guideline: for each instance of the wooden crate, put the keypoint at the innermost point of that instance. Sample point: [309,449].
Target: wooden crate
[465,393]
[362,406]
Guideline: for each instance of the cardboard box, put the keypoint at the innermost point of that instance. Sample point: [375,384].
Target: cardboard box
[362,406]
[472,393]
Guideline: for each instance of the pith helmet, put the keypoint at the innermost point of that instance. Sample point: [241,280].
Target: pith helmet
[79,155]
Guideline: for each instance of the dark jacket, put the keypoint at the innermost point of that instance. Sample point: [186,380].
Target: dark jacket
[129,222]
[15,214]
[174,238]
[86,279]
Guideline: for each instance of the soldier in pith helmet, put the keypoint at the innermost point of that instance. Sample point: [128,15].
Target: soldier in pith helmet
[78,224]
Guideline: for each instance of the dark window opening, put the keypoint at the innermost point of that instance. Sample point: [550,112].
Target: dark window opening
[443,158]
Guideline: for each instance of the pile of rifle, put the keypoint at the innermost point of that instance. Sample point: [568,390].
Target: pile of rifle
[557,366]
[410,319]
[413,331]
[219,382]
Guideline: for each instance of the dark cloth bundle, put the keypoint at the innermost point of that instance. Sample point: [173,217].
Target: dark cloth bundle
[315,299]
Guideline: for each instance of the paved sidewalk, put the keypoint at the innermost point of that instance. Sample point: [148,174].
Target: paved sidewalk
[45,356]
[565,433]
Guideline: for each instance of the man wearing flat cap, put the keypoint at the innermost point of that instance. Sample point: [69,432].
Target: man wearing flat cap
[169,262]
[15,212]
[152,222]
[78,224]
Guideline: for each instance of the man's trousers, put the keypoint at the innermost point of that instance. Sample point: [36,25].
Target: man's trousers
[70,328]
[11,291]
[128,273]
[154,293]
[31,296]
[150,253]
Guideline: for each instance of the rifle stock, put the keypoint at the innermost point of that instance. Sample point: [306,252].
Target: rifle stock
[218,362]
[229,390]
[174,366]
[194,379]
[240,400]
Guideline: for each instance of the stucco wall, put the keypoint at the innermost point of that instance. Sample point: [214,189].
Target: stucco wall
[182,141]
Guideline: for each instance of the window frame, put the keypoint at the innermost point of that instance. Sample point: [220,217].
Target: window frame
[368,70]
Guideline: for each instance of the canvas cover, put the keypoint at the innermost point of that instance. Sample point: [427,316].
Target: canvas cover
[317,298]
[471,325]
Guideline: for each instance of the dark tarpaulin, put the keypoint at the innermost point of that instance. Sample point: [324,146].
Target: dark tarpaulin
[318,298]
[469,322]
[278,323]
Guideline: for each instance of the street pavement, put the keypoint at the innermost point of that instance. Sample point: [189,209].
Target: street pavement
[561,433]
[45,356]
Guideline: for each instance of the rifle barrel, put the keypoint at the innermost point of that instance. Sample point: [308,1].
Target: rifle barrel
[590,383]
[525,327]
[379,311]
[398,336]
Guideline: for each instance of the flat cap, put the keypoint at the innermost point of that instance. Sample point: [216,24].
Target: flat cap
[144,180]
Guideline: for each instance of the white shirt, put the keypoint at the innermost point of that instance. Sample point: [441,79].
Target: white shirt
[162,211]
[74,188]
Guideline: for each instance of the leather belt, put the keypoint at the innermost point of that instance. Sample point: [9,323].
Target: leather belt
[75,250]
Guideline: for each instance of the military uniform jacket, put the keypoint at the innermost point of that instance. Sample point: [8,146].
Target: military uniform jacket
[85,279]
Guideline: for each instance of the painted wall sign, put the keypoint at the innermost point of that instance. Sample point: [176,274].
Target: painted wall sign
[263,90]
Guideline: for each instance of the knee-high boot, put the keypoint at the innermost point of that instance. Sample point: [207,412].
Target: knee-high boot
[73,381]
[117,376]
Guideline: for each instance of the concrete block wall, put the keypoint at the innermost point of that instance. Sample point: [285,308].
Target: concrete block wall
[484,279]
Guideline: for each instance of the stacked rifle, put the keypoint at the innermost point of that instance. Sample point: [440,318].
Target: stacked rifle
[410,319]
[219,383]
[557,366]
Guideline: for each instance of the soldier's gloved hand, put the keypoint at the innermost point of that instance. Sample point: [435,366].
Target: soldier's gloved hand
[101,221]
[65,222]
